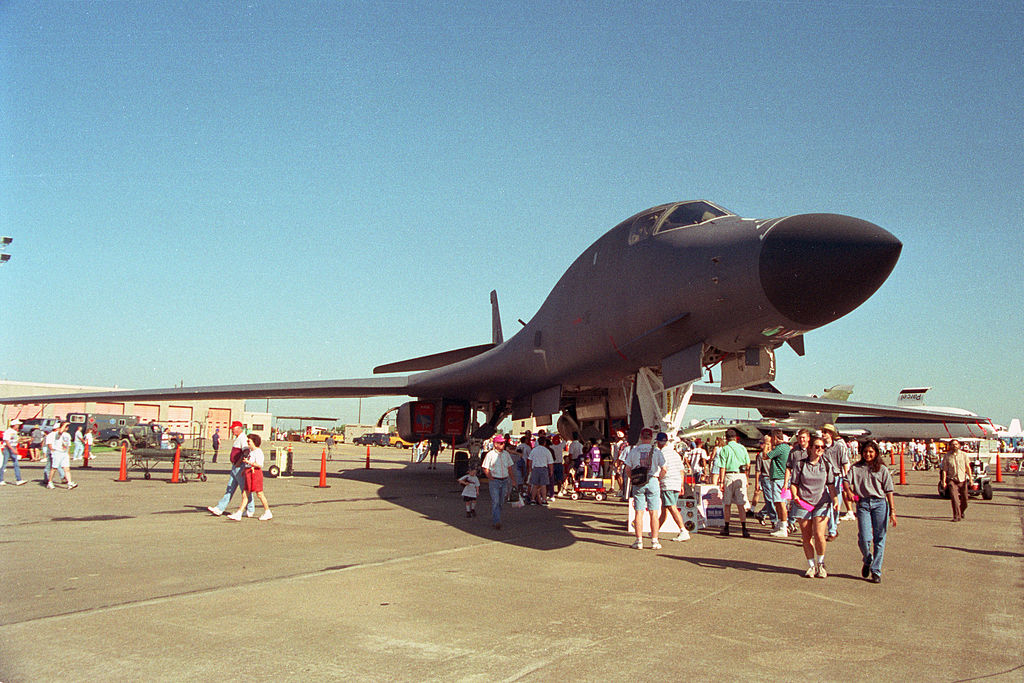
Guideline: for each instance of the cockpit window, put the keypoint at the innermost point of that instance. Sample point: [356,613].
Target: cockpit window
[643,226]
[691,213]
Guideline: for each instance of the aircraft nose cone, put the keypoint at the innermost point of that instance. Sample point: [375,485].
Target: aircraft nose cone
[816,268]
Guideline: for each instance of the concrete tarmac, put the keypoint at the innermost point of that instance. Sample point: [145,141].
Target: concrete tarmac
[381,576]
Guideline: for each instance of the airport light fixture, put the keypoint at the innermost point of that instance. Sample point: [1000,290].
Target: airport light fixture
[4,241]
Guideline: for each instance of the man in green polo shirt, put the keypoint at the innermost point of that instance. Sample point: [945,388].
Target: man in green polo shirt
[778,457]
[731,466]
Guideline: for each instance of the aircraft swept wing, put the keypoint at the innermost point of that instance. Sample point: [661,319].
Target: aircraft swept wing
[675,289]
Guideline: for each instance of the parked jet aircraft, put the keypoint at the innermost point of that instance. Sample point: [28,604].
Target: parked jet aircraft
[966,424]
[752,430]
[679,288]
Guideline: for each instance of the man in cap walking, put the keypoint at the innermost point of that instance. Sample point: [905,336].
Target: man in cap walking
[239,449]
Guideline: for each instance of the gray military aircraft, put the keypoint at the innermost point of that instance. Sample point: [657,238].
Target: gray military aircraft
[678,288]
[753,430]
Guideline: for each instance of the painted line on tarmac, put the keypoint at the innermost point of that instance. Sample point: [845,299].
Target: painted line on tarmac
[825,597]
[301,576]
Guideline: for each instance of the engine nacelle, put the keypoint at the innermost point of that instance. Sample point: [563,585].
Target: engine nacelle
[448,420]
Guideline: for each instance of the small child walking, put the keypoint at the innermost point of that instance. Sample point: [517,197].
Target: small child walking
[254,480]
[470,491]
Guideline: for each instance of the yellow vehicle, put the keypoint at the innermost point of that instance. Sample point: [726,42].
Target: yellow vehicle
[399,442]
[320,436]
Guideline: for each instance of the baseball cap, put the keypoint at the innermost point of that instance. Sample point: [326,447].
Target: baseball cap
[236,423]
[829,428]
[646,432]
[662,436]
[499,439]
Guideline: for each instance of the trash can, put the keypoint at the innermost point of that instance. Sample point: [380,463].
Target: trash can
[461,464]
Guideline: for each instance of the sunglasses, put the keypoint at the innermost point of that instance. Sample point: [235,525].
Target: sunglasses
[817,446]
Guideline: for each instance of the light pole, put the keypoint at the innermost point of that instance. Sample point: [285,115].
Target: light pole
[4,256]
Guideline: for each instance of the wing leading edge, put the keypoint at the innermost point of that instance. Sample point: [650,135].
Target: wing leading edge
[339,388]
[399,386]
[713,396]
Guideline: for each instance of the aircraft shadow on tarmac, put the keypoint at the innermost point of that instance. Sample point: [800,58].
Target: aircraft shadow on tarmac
[981,551]
[435,495]
[743,565]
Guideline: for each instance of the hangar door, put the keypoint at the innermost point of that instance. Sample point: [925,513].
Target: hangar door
[179,419]
[147,413]
[24,412]
[108,408]
[218,418]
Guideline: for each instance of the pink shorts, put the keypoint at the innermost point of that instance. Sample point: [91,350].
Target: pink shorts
[253,480]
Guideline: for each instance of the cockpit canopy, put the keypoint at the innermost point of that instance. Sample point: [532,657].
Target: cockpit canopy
[672,217]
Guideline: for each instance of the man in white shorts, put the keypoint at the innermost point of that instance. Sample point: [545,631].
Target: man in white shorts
[731,466]
[59,441]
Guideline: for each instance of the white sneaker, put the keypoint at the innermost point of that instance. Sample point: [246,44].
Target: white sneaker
[781,532]
[3,483]
[49,485]
[237,516]
[266,515]
[20,482]
[72,485]
[655,545]
[848,517]
[811,572]
[637,545]
[215,511]
[684,535]
[822,574]
[248,514]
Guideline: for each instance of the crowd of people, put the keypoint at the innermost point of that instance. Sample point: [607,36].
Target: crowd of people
[804,482]
[53,448]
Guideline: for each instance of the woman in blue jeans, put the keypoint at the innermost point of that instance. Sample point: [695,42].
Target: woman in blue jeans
[871,485]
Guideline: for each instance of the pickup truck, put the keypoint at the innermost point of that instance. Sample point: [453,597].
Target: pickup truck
[320,437]
[137,436]
[374,439]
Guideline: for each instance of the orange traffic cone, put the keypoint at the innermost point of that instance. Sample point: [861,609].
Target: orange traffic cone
[999,468]
[903,471]
[323,471]
[367,456]
[85,462]
[123,476]
[177,464]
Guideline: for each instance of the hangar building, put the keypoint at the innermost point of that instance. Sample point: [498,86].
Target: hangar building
[192,418]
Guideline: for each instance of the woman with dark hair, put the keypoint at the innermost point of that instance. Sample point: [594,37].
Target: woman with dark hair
[870,484]
[814,492]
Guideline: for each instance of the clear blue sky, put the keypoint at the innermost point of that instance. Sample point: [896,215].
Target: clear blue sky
[239,192]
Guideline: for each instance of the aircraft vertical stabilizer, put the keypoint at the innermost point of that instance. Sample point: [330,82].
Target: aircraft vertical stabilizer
[496,336]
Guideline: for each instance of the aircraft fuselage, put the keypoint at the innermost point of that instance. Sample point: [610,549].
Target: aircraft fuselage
[642,292]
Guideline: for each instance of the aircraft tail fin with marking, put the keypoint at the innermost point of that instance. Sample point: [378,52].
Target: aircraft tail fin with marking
[912,397]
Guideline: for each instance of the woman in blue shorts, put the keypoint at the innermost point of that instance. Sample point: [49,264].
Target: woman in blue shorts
[813,490]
